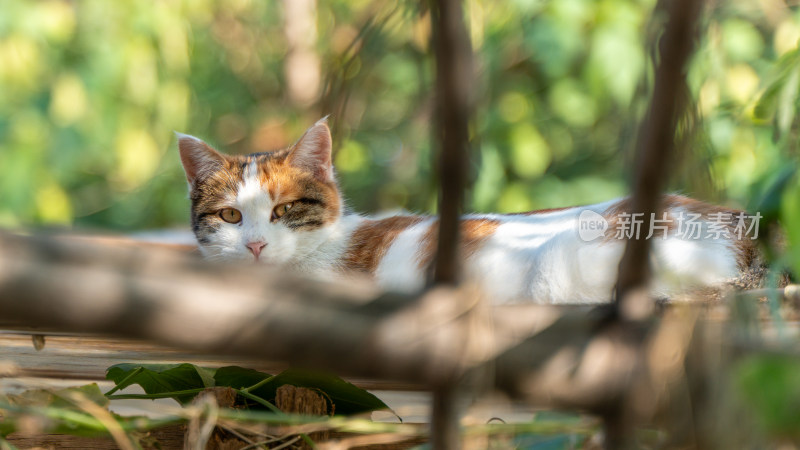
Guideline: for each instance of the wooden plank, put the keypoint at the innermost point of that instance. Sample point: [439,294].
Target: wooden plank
[172,437]
[128,242]
[88,357]
[168,438]
[79,357]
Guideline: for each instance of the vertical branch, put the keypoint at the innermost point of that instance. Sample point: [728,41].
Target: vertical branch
[654,148]
[656,139]
[445,420]
[453,109]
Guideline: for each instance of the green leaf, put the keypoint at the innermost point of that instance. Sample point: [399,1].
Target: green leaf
[768,195]
[767,105]
[790,215]
[7,427]
[163,378]
[238,377]
[348,398]
[783,85]
[206,375]
[169,378]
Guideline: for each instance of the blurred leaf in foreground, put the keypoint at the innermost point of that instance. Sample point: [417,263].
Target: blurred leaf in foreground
[770,386]
[183,382]
[79,411]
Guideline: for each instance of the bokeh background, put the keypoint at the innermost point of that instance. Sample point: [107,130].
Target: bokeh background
[92,90]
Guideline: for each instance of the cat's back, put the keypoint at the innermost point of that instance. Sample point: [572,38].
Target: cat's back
[501,250]
[546,255]
[530,228]
[563,255]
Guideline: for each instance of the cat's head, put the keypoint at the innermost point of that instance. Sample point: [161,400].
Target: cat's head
[275,207]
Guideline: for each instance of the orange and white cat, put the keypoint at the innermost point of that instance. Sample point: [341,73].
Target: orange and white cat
[284,207]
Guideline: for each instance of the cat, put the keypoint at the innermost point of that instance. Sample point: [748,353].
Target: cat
[284,208]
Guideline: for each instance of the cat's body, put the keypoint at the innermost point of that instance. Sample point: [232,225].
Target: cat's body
[284,208]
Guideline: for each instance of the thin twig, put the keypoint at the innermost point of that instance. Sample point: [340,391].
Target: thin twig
[240,436]
[154,396]
[260,401]
[259,384]
[264,442]
[103,416]
[199,432]
[288,443]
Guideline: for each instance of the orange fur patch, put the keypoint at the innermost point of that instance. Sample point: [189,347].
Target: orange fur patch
[474,233]
[370,242]
[286,183]
[318,202]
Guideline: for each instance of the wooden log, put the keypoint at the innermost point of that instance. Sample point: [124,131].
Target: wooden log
[349,328]
[245,310]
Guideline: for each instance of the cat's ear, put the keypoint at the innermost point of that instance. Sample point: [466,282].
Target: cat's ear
[312,152]
[197,156]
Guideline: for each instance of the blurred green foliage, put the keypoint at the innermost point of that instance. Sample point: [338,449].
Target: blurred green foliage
[769,386]
[91,91]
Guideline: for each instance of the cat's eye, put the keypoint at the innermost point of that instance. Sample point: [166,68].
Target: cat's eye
[280,210]
[230,215]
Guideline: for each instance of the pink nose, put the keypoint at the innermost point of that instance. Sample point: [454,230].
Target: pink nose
[256,247]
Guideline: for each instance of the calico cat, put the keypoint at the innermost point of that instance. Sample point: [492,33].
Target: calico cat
[284,208]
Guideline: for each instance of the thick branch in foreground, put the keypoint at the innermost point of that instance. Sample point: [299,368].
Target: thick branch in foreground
[655,143]
[67,285]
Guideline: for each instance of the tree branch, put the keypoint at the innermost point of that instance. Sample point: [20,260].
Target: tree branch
[655,144]
[453,108]
[167,296]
